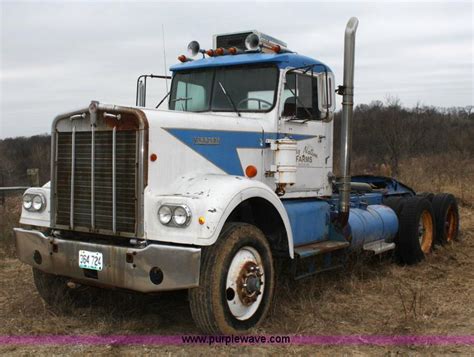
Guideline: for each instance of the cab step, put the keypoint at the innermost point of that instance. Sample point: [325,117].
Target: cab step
[317,248]
[318,257]
[379,247]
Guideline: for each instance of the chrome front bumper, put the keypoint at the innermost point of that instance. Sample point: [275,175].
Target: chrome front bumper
[124,267]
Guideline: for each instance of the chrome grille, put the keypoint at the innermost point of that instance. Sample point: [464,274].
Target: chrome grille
[102,168]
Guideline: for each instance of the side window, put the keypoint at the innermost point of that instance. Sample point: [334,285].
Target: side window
[300,97]
[190,92]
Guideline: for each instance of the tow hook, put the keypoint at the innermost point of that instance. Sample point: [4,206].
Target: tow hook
[72,285]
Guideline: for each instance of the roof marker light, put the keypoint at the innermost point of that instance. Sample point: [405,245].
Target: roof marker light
[276,48]
[183,59]
[219,51]
[233,51]
[210,53]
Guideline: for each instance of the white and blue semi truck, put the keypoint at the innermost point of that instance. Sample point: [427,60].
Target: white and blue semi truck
[207,194]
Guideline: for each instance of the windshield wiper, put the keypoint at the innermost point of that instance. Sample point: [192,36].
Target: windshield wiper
[180,99]
[230,99]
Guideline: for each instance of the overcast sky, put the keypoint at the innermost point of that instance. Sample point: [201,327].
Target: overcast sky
[58,56]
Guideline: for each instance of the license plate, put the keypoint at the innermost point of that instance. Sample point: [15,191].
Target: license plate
[90,260]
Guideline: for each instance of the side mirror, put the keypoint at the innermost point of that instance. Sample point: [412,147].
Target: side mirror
[141,93]
[326,95]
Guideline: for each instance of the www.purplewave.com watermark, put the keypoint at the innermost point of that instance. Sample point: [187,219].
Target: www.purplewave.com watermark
[338,340]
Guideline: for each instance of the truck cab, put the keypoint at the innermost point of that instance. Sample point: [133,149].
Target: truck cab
[207,194]
[267,96]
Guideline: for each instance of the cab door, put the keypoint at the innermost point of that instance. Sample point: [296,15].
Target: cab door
[306,115]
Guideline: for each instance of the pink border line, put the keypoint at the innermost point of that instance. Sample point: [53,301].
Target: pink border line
[220,340]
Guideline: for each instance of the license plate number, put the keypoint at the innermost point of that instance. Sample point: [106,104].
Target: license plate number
[90,260]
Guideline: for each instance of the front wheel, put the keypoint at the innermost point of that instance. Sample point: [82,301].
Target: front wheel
[237,282]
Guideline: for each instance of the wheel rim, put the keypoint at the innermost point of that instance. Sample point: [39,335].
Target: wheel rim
[450,224]
[425,232]
[245,283]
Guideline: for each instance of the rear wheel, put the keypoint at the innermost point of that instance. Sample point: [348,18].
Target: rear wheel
[416,231]
[446,213]
[237,282]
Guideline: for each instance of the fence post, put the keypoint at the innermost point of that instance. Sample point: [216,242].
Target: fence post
[33,177]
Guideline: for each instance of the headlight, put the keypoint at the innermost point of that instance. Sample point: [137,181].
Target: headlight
[38,203]
[27,201]
[177,216]
[181,215]
[164,214]
[34,202]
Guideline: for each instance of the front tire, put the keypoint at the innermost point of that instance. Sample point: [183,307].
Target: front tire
[237,282]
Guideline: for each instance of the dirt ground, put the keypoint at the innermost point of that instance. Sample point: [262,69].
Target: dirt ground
[375,298]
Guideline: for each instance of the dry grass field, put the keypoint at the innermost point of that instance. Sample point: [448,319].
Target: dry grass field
[375,297]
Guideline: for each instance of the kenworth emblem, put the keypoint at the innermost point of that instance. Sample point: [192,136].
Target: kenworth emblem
[206,140]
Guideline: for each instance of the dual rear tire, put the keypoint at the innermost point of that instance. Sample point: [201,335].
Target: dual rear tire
[424,220]
[447,218]
[417,230]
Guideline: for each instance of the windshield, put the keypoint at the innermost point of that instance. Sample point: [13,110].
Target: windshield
[242,89]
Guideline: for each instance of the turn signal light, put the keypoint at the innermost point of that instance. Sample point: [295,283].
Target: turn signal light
[251,171]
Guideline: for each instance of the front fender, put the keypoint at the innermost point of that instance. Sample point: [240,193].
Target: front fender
[212,197]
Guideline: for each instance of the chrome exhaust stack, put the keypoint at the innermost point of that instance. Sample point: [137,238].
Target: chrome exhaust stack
[347,92]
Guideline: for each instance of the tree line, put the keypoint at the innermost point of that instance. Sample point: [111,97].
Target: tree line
[390,133]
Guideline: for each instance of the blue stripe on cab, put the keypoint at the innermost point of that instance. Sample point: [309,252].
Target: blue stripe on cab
[220,146]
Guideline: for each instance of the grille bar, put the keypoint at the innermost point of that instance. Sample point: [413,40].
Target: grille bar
[92,175]
[73,160]
[114,182]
